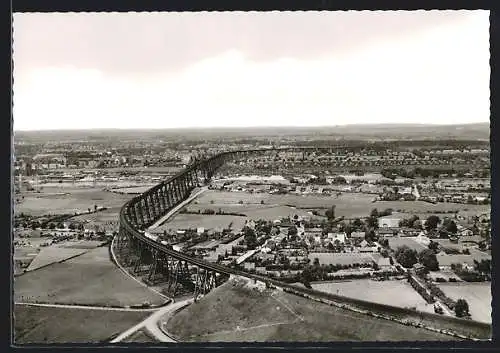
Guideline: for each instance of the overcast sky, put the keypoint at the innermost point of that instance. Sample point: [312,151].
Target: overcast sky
[160,70]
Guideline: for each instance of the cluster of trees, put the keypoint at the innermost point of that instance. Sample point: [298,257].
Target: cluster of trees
[480,273]
[392,173]
[317,272]
[412,222]
[449,226]
[209,211]
[408,257]
[250,237]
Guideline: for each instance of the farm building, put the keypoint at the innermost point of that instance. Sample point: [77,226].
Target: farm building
[358,235]
[387,232]
[368,247]
[337,236]
[388,222]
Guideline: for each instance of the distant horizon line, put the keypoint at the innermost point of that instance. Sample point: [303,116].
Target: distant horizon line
[251,127]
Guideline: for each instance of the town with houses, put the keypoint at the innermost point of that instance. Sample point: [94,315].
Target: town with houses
[340,220]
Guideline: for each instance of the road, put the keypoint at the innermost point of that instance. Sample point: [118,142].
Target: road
[177,208]
[152,323]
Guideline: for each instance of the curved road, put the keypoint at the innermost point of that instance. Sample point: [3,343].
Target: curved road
[151,323]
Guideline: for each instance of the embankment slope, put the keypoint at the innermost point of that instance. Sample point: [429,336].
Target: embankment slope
[241,311]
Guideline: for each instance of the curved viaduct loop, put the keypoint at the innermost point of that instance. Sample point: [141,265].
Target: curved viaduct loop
[153,258]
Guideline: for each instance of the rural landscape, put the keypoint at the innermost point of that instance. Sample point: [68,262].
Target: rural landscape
[222,178]
[403,249]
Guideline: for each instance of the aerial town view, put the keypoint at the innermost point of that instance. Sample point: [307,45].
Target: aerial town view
[353,229]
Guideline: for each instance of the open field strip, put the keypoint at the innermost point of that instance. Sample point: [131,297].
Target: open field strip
[89,279]
[193,221]
[85,307]
[477,295]
[76,200]
[43,325]
[396,242]
[392,292]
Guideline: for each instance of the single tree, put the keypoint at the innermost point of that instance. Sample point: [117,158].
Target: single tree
[451,227]
[330,213]
[461,308]
[370,235]
[316,262]
[433,245]
[432,222]
[292,231]
[406,257]
[357,223]
[427,257]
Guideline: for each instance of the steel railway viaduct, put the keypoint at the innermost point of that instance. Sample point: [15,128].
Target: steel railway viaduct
[150,257]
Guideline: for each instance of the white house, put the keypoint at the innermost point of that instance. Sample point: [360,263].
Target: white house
[337,236]
[388,222]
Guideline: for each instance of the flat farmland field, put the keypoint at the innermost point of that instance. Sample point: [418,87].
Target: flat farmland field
[183,221]
[236,314]
[477,295]
[347,205]
[107,218]
[237,208]
[396,242]
[60,325]
[89,279]
[134,189]
[394,292]
[267,212]
[53,254]
[276,212]
[75,200]
[62,251]
[446,243]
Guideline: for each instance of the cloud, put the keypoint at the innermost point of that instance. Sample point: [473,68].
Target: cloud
[137,43]
[436,75]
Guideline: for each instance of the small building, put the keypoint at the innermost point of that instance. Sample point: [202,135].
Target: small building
[419,268]
[358,235]
[337,236]
[366,246]
[388,222]
[249,265]
[387,232]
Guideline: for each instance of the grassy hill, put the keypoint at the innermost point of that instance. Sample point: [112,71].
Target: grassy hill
[239,311]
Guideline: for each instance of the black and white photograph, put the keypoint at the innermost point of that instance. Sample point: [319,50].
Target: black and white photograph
[281,176]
